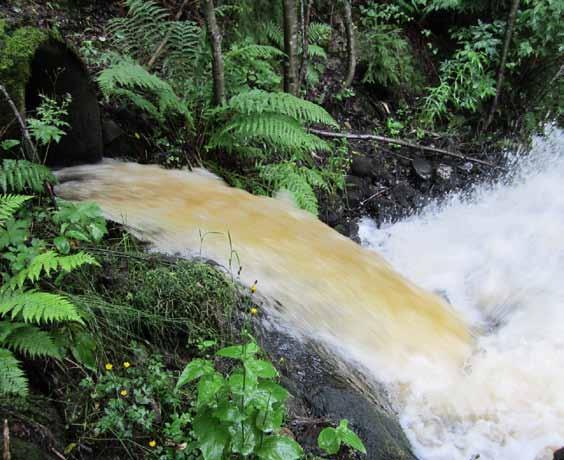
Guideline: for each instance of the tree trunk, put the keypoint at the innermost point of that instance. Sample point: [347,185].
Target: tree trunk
[501,70]
[217,56]
[351,48]
[290,45]
[305,18]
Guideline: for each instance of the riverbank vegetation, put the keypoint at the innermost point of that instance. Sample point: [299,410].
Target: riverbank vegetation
[351,107]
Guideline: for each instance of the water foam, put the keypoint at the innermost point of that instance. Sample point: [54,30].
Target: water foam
[499,258]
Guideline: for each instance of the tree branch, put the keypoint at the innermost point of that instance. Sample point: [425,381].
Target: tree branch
[290,39]
[389,140]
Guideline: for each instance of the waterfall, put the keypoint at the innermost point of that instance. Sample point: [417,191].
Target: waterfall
[498,255]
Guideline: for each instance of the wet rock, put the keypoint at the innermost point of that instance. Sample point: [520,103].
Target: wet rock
[444,172]
[559,454]
[361,167]
[423,168]
[403,194]
[111,131]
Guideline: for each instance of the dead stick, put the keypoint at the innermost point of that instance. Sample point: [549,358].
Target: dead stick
[30,147]
[163,43]
[6,436]
[389,140]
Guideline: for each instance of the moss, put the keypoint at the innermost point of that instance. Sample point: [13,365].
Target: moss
[15,59]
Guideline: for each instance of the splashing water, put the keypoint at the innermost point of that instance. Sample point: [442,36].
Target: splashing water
[499,258]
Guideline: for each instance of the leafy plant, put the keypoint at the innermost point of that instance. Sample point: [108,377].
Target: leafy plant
[241,413]
[48,125]
[23,176]
[331,439]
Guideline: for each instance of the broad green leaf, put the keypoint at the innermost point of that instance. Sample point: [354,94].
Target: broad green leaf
[211,435]
[83,349]
[208,386]
[270,419]
[228,412]
[243,438]
[329,441]
[349,437]
[194,370]
[62,244]
[261,368]
[276,392]
[279,448]
[239,351]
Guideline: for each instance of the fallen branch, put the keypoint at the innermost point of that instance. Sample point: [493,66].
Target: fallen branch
[29,147]
[389,140]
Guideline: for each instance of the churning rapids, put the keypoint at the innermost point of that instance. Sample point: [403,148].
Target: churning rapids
[498,256]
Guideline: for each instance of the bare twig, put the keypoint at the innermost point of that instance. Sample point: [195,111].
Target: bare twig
[375,195]
[29,146]
[163,43]
[6,437]
[389,140]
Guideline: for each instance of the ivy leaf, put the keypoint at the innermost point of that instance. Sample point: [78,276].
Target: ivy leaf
[349,437]
[239,351]
[208,386]
[329,441]
[194,370]
[280,448]
[211,435]
[261,368]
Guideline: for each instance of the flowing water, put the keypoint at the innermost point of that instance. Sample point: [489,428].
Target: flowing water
[498,257]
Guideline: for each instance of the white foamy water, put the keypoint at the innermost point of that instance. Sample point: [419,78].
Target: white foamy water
[499,258]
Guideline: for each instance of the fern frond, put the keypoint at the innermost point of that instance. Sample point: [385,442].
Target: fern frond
[317,52]
[37,307]
[9,204]
[140,32]
[183,44]
[298,180]
[21,175]
[319,32]
[281,132]
[274,33]
[29,340]
[257,102]
[12,378]
[48,262]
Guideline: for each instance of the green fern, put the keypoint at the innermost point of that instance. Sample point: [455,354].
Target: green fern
[21,175]
[12,378]
[9,204]
[37,307]
[272,120]
[28,340]
[298,180]
[46,263]
[129,80]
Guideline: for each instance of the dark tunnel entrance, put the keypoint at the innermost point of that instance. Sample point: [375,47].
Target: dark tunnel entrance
[56,71]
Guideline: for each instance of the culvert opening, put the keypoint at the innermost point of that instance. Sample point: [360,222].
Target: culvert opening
[56,71]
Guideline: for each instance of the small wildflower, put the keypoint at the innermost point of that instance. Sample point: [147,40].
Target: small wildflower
[123,393]
[254,311]
[109,366]
[254,287]
[126,364]
[281,360]
[152,443]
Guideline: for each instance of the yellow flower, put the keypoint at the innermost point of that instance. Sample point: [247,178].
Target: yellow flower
[254,287]
[254,311]
[109,366]
[123,392]
[126,364]
[152,443]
